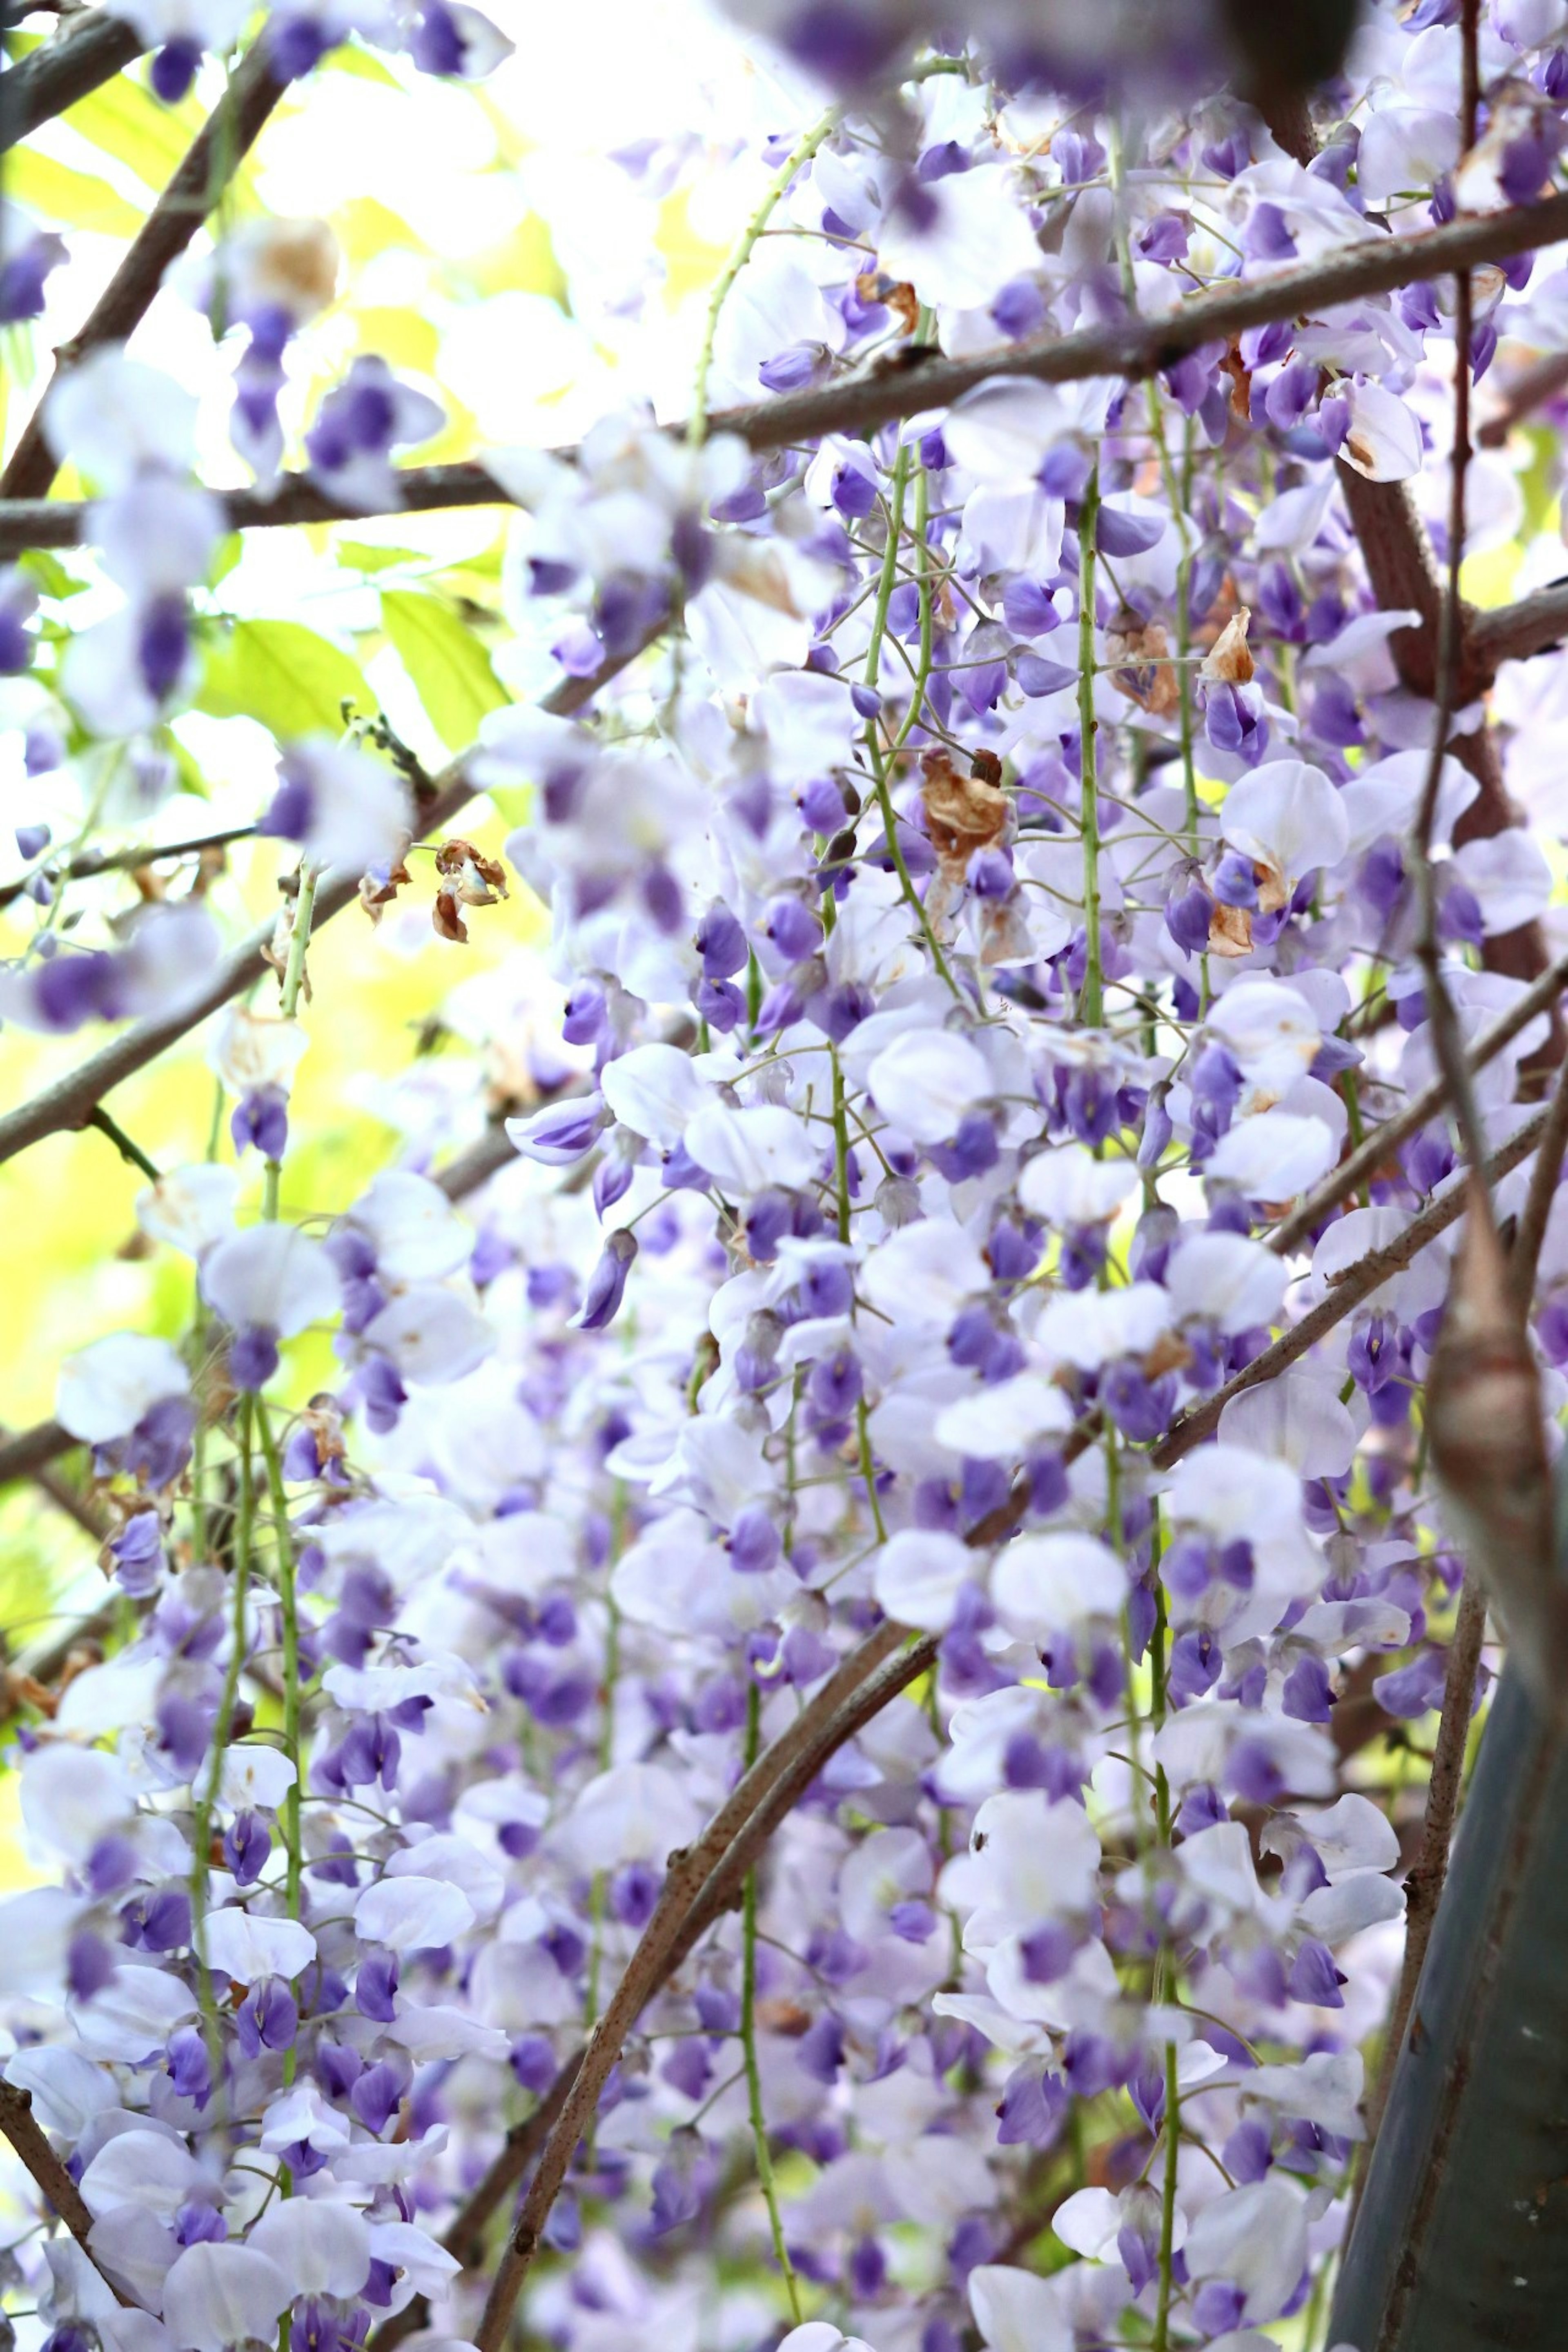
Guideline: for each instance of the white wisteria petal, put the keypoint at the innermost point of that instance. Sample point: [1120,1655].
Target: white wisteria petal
[252,1774]
[999,1423]
[1089,2222]
[1507,876]
[415,1230]
[321,2248]
[246,1945]
[655,1091]
[1257,2238]
[1384,437]
[1299,1419]
[747,1150]
[1018,2311]
[973,240]
[919,1574]
[271,1275]
[1271,1032]
[105,1390]
[1274,1156]
[1289,818]
[72,1798]
[1227,1279]
[1071,1187]
[218,2296]
[1088,1328]
[413,1915]
[1052,1583]
[922,1275]
[926,1082]
[634,1813]
[190,1208]
[431,1334]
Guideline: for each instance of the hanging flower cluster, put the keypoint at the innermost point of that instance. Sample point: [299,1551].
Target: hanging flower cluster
[971,958]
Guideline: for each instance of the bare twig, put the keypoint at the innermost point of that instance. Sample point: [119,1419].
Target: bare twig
[1530,389]
[207,167]
[29,1451]
[66,1105]
[1424,1881]
[55,75]
[1524,1256]
[1535,624]
[1357,1282]
[89,863]
[464,2238]
[699,1877]
[1444,1026]
[1384,1139]
[54,2183]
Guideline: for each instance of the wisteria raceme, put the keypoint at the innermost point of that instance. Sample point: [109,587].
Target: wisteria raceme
[983,861]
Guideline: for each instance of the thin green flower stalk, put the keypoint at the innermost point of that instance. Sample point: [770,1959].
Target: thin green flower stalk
[288,1003]
[1092,997]
[745,244]
[207,1804]
[748,2039]
[898,491]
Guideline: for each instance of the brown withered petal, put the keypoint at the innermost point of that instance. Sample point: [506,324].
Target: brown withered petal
[963,814]
[1229,661]
[1149,679]
[1236,367]
[449,922]
[1230,931]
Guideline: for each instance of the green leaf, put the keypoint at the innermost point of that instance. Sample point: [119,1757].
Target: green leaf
[450,670]
[365,557]
[287,676]
[72,199]
[122,117]
[50,573]
[350,58]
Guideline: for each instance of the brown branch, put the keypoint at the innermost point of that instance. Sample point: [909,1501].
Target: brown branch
[702,1879]
[1524,1256]
[32,1450]
[54,2183]
[886,391]
[480,1161]
[57,73]
[89,863]
[1357,1282]
[1424,1880]
[205,172]
[66,1105]
[1530,389]
[464,2238]
[1535,624]
[1385,1139]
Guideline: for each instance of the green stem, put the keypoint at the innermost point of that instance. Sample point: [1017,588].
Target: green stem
[289,1602]
[1092,997]
[1168,2202]
[741,253]
[206,1803]
[124,1144]
[293,979]
[898,491]
[749,2038]
[840,1148]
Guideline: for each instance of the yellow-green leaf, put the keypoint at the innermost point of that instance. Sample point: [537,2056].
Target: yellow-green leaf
[127,122]
[70,199]
[283,675]
[365,556]
[450,670]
